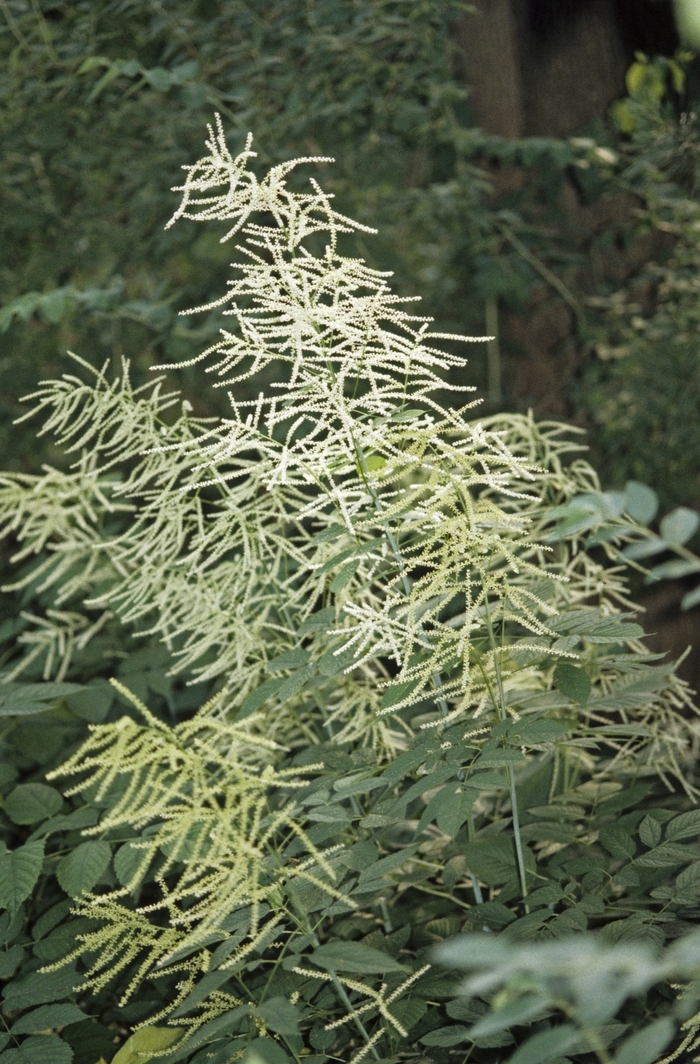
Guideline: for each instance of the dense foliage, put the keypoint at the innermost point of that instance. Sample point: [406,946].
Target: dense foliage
[422,705]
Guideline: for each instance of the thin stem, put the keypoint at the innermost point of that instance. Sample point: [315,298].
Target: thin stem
[338,986]
[544,272]
[503,713]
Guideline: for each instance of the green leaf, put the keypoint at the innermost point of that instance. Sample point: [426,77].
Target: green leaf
[646,548]
[259,1051]
[650,831]
[83,817]
[94,702]
[147,1040]
[449,807]
[451,1035]
[127,861]
[40,987]
[491,859]
[40,1049]
[626,798]
[354,957]
[691,598]
[498,758]
[30,802]
[279,1015]
[159,78]
[486,781]
[672,570]
[9,960]
[528,733]
[646,1046]
[685,826]
[545,1045]
[383,867]
[47,1017]
[409,1011]
[641,502]
[78,872]
[294,683]
[526,1009]
[25,699]
[344,576]
[666,855]
[617,841]
[320,621]
[291,659]
[689,879]
[679,526]
[397,692]
[572,682]
[19,871]
[259,696]
[90,1041]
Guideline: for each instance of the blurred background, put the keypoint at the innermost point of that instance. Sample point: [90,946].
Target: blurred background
[533,168]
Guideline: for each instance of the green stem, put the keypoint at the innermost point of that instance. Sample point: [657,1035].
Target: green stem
[503,713]
[338,986]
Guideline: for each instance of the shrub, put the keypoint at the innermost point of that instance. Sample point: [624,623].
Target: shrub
[423,704]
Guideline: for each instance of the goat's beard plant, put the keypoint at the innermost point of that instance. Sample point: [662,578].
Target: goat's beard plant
[424,690]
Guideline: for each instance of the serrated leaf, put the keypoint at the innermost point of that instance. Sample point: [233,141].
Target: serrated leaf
[384,866]
[90,1041]
[294,683]
[617,841]
[526,732]
[19,871]
[650,832]
[409,1011]
[486,781]
[40,987]
[685,826]
[679,526]
[47,1017]
[40,1049]
[84,817]
[147,1040]
[127,861]
[449,807]
[320,621]
[646,1045]
[666,855]
[259,1051]
[31,802]
[259,696]
[279,1015]
[291,659]
[572,682]
[38,692]
[689,879]
[344,576]
[354,957]
[78,872]
[491,859]
[397,692]
[451,1035]
[10,959]
[94,702]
